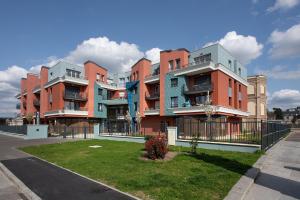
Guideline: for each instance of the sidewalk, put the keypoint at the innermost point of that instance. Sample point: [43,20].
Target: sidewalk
[280,174]
[8,190]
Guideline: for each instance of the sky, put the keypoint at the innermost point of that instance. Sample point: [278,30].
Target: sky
[263,35]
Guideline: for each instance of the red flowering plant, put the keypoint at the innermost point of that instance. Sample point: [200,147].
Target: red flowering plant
[156,147]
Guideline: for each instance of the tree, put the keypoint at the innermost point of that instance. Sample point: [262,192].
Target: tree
[29,118]
[278,113]
[128,119]
[138,118]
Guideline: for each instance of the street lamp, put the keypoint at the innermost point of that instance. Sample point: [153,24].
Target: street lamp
[208,108]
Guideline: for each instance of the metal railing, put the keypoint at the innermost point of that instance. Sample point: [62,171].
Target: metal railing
[262,133]
[152,95]
[36,102]
[22,129]
[75,96]
[83,132]
[197,88]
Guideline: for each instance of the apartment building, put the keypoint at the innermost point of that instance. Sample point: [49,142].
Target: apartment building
[161,93]
[257,97]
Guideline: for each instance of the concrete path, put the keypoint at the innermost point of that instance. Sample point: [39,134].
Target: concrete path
[280,175]
[46,180]
[8,190]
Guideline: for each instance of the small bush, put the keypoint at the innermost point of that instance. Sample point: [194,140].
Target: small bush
[194,144]
[156,147]
[148,137]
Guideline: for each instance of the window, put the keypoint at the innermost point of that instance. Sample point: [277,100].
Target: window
[137,75]
[102,78]
[170,65]
[97,77]
[100,107]
[51,73]
[134,91]
[200,99]
[229,63]
[135,106]
[229,83]
[174,82]
[202,58]
[73,73]
[240,71]
[230,101]
[178,64]
[240,104]
[240,88]
[100,91]
[174,102]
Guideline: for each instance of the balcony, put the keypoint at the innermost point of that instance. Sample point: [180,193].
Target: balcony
[36,102]
[195,68]
[111,102]
[197,89]
[78,80]
[67,111]
[152,96]
[18,96]
[36,89]
[74,96]
[152,111]
[152,78]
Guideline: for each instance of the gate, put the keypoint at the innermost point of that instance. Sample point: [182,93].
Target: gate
[81,132]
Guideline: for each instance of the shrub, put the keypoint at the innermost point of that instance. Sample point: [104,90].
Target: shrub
[156,147]
[148,137]
[194,144]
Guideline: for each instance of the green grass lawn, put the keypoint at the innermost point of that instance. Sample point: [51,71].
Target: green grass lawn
[209,175]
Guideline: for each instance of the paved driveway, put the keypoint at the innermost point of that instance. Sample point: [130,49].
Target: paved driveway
[48,181]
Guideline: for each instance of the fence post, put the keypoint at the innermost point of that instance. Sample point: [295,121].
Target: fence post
[84,132]
[65,132]
[261,135]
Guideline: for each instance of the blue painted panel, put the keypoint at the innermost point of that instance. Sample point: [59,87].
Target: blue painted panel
[100,99]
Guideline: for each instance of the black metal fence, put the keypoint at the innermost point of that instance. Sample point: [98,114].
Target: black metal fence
[22,129]
[120,128]
[250,132]
[82,132]
[272,133]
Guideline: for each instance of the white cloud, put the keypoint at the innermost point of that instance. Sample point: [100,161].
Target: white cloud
[280,72]
[285,44]
[285,98]
[244,48]
[283,5]
[153,55]
[107,53]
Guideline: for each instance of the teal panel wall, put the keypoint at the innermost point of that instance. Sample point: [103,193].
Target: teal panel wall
[174,92]
[100,99]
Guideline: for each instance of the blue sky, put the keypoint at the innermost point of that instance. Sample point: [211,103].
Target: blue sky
[36,32]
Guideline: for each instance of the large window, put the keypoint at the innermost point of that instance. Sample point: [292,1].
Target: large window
[203,58]
[100,107]
[203,80]
[178,64]
[200,99]
[100,91]
[73,73]
[171,65]
[174,102]
[174,82]
[135,106]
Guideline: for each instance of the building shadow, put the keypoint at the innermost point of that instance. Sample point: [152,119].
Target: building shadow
[228,164]
[282,185]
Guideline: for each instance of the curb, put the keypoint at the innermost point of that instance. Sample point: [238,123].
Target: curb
[19,184]
[240,189]
[20,136]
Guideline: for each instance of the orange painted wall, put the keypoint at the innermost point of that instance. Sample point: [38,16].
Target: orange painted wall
[91,70]
[220,96]
[143,67]
[165,57]
[32,81]
[23,98]
[57,96]
[44,94]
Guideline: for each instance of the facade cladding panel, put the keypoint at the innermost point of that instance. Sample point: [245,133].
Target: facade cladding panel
[184,76]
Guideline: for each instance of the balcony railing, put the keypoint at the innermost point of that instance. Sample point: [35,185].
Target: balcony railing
[196,89]
[36,102]
[152,96]
[68,111]
[152,111]
[152,78]
[74,96]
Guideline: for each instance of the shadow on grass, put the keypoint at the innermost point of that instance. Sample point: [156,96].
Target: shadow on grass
[228,164]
